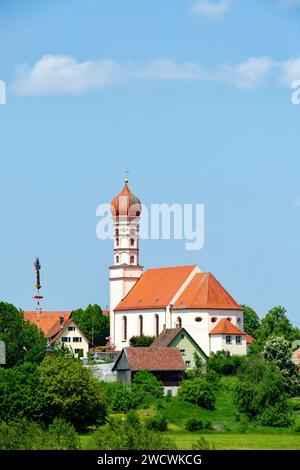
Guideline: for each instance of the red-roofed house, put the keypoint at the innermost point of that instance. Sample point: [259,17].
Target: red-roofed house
[59,327]
[228,337]
[164,298]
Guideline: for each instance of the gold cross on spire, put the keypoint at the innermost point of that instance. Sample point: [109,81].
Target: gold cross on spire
[126,175]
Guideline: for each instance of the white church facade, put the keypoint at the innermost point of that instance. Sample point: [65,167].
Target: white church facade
[157,299]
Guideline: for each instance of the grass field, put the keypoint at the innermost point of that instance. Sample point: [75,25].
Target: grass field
[228,432]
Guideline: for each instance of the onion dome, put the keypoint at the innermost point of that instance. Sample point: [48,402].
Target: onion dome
[126,204]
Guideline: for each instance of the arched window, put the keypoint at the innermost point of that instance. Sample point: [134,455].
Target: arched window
[179,322]
[124,328]
[131,259]
[198,319]
[117,232]
[131,241]
[117,259]
[214,319]
[140,325]
[117,241]
[156,325]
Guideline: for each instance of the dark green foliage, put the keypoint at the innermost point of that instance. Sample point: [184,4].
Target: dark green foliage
[203,444]
[251,321]
[93,323]
[23,341]
[27,435]
[157,423]
[21,394]
[198,391]
[276,323]
[121,398]
[264,399]
[146,383]
[121,435]
[71,392]
[194,424]
[141,341]
[223,363]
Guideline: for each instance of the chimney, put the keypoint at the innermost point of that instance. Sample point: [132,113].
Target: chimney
[61,320]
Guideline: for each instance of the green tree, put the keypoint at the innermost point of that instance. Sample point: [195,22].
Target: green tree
[277,350]
[23,341]
[276,323]
[71,392]
[93,324]
[198,391]
[141,341]
[148,384]
[21,394]
[251,321]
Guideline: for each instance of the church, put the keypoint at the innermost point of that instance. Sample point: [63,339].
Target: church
[149,302]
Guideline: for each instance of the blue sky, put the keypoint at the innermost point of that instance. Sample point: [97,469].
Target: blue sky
[193,97]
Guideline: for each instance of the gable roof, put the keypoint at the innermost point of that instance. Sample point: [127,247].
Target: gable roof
[152,359]
[226,327]
[204,291]
[48,322]
[169,334]
[155,288]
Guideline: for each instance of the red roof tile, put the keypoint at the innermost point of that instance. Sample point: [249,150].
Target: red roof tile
[249,339]
[48,322]
[204,291]
[155,288]
[226,327]
[154,358]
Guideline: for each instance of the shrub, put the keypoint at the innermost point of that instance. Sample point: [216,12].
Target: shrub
[194,424]
[297,429]
[157,423]
[223,363]
[141,341]
[148,384]
[203,444]
[198,391]
[123,398]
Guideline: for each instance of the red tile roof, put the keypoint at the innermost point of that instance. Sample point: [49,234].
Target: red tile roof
[105,312]
[249,339]
[204,291]
[155,359]
[226,327]
[155,288]
[48,322]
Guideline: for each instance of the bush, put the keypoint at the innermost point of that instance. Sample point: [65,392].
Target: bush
[123,435]
[203,444]
[157,423]
[141,341]
[223,363]
[297,429]
[194,424]
[27,435]
[148,384]
[123,398]
[198,391]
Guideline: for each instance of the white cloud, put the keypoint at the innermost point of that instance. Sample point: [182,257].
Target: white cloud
[209,9]
[290,70]
[54,74]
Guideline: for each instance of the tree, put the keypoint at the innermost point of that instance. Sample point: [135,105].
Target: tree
[71,392]
[141,341]
[23,341]
[277,350]
[198,391]
[251,321]
[276,323]
[21,394]
[93,323]
[148,384]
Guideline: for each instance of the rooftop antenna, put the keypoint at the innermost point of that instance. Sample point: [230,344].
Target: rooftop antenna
[38,297]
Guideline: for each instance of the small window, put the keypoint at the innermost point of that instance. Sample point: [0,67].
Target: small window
[182,352]
[131,259]
[156,324]
[198,319]
[77,339]
[229,318]
[239,320]
[140,325]
[117,232]
[131,242]
[66,339]
[238,340]
[117,259]
[228,339]
[71,328]
[117,241]
[169,393]
[214,319]
[188,363]
[124,328]
[179,322]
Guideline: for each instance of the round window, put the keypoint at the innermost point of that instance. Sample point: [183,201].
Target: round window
[229,318]
[198,319]
[214,319]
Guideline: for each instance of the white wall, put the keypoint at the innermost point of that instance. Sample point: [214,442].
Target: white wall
[218,343]
[133,324]
[74,345]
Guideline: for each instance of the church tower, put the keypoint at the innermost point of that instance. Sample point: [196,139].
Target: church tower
[126,270]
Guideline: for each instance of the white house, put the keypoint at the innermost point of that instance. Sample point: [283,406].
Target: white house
[180,296]
[58,328]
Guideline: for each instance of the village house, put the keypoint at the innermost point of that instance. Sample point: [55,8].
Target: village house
[59,328]
[165,363]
